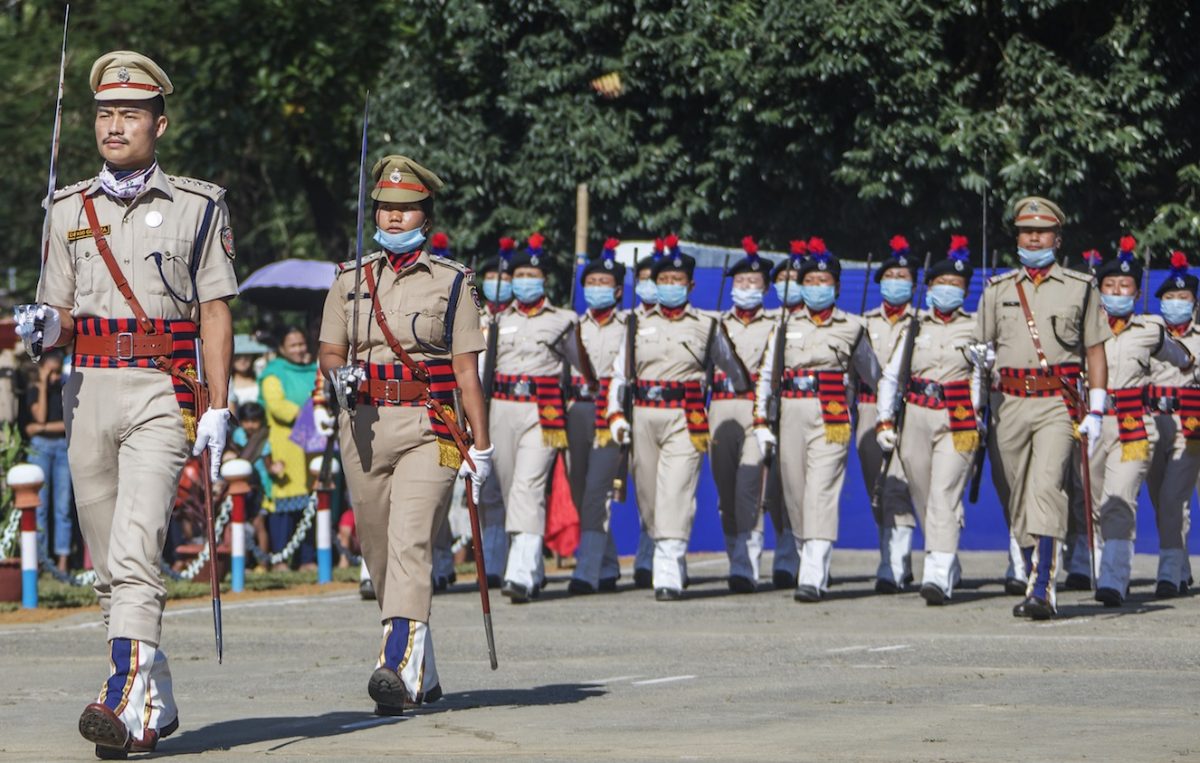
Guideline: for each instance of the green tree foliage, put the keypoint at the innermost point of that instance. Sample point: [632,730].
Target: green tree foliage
[850,119]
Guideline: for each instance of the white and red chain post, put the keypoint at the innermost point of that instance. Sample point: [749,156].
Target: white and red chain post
[237,473]
[323,519]
[26,480]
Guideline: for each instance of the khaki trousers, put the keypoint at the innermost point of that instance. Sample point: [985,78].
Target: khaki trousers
[1116,483]
[390,457]
[812,469]
[1171,481]
[522,464]
[1031,444]
[737,468]
[937,475]
[666,470]
[127,447]
[895,505]
[592,468]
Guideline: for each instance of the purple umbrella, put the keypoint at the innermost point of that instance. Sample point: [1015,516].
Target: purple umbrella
[290,285]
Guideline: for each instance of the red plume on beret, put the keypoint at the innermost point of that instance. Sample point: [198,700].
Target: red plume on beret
[1092,257]
[672,241]
[1179,260]
[535,242]
[507,245]
[816,246]
[749,246]
[611,243]
[798,248]
[899,244]
[958,242]
[1128,243]
[439,241]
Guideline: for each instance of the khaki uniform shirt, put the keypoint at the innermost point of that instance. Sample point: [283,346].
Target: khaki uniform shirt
[415,304]
[1132,351]
[602,341]
[882,332]
[939,355]
[536,344]
[1066,309]
[1164,374]
[838,343]
[162,220]
[750,338]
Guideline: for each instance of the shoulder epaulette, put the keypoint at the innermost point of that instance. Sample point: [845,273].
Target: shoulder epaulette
[446,262]
[73,189]
[1004,276]
[348,265]
[199,187]
[873,312]
[1077,275]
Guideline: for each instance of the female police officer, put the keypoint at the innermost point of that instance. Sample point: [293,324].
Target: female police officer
[418,342]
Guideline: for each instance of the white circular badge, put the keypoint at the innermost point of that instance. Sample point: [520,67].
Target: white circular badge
[154,218]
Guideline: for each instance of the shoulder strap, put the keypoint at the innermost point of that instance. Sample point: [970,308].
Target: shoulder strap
[114,270]
[201,237]
[417,371]
[1031,325]
[451,309]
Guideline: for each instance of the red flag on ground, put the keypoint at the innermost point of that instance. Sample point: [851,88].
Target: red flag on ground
[562,518]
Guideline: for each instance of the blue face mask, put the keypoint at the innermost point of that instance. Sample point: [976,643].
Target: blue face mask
[1176,311]
[896,291]
[600,297]
[1035,258]
[818,297]
[945,297]
[672,294]
[747,299]
[647,291]
[789,293]
[399,243]
[489,290]
[528,290]
[1117,305]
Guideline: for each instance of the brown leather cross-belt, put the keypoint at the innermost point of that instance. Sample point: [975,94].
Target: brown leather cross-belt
[393,390]
[125,345]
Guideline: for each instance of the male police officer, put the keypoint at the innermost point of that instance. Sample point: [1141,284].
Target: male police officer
[137,259]
[1044,321]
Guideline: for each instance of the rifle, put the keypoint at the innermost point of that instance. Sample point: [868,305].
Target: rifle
[1146,283]
[201,393]
[862,307]
[985,415]
[493,338]
[39,324]
[358,236]
[620,482]
[774,405]
[708,381]
[910,338]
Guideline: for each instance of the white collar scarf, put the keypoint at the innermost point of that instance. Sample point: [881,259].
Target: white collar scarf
[129,185]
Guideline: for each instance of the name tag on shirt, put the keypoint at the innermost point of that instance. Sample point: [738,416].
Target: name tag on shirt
[647,331]
[509,329]
[923,340]
[795,335]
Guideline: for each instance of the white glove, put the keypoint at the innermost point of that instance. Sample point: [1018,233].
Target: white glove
[211,432]
[766,439]
[981,355]
[482,470]
[27,315]
[621,432]
[886,439]
[1090,428]
[323,420]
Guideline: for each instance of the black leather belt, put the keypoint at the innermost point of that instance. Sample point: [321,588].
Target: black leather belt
[655,394]
[522,388]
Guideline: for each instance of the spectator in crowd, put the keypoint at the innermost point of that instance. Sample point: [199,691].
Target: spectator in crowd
[286,383]
[10,387]
[347,535]
[243,382]
[252,445]
[48,450]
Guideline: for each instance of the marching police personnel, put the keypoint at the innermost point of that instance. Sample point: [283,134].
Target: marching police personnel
[139,268]
[1043,321]
[496,282]
[418,341]
[941,433]
[1122,458]
[593,455]
[1173,399]
[735,465]
[821,345]
[528,412]
[673,350]
[647,292]
[893,510]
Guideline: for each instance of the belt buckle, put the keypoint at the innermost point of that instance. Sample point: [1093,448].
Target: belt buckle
[654,393]
[521,388]
[391,390]
[125,336]
[932,389]
[582,392]
[1028,382]
[806,383]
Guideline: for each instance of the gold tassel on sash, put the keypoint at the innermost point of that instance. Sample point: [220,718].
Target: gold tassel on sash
[837,433]
[1136,450]
[966,441]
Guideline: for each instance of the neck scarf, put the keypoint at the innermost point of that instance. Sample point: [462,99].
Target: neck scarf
[125,184]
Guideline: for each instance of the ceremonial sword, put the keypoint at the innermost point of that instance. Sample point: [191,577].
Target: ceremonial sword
[358,237]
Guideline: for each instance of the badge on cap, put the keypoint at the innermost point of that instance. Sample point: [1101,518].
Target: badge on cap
[154,218]
[1034,207]
[535,260]
[822,266]
[903,261]
[608,264]
[123,74]
[958,265]
[677,262]
[395,176]
[1124,267]
[227,241]
[1179,282]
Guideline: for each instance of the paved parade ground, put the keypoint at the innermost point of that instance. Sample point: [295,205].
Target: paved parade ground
[620,677]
